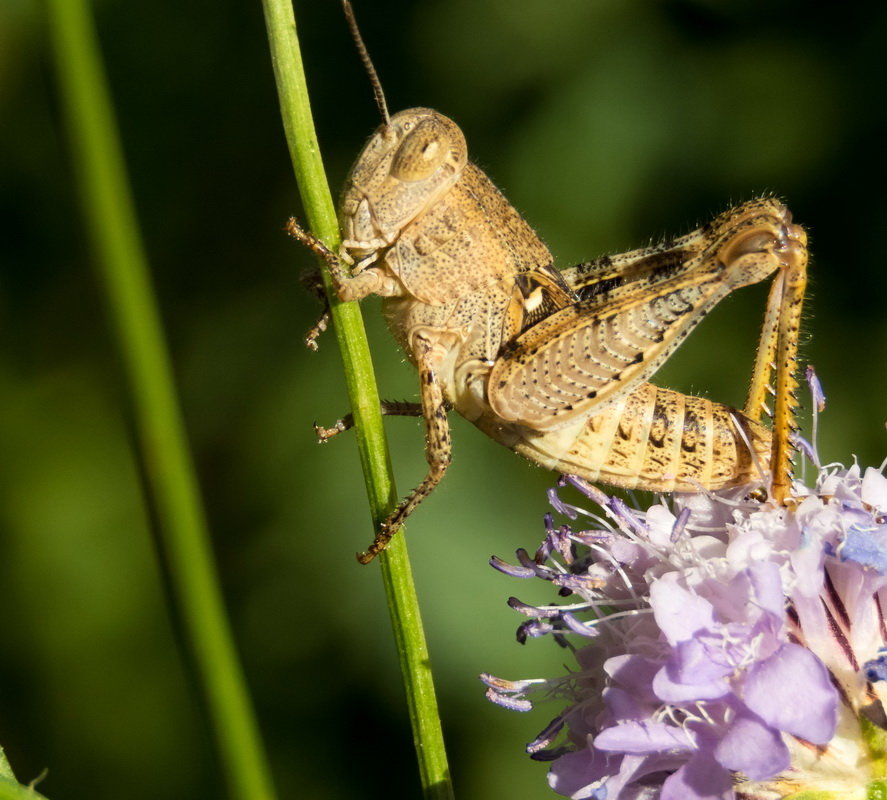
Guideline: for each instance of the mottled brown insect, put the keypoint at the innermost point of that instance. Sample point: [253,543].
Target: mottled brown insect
[554,364]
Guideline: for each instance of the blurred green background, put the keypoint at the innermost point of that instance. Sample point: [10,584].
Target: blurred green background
[606,122]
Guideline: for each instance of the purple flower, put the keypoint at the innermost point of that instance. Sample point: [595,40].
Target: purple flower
[725,647]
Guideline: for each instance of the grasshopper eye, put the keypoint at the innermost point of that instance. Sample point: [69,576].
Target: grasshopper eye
[421,152]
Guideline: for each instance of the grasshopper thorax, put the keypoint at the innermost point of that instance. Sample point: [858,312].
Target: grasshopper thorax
[407,165]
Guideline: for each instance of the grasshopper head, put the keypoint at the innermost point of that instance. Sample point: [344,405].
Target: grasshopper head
[406,166]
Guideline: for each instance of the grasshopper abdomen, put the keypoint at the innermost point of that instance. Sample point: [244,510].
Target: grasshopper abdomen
[657,440]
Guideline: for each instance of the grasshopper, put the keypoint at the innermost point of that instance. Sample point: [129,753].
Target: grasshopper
[554,363]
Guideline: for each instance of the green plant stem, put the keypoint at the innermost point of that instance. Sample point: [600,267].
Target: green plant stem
[363,394]
[124,276]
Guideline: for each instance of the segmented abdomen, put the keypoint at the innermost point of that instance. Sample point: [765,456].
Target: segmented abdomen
[658,440]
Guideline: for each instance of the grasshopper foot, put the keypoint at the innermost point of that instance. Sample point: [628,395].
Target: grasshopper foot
[339,426]
[385,534]
[316,330]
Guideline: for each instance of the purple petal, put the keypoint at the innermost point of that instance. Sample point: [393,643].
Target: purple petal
[754,748]
[633,672]
[874,489]
[639,776]
[866,546]
[678,612]
[791,692]
[670,690]
[644,737]
[698,662]
[766,584]
[701,778]
[580,775]
[624,705]
[876,669]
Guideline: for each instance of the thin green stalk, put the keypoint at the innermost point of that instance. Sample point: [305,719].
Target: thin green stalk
[360,380]
[123,273]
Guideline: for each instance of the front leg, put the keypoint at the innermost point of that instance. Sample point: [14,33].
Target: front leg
[313,282]
[394,408]
[438,450]
[373,280]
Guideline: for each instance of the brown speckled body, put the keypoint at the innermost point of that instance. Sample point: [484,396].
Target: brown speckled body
[553,364]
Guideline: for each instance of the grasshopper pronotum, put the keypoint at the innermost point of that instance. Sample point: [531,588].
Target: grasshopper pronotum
[554,364]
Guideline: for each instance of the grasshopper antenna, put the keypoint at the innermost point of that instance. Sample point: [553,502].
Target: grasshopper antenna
[367,61]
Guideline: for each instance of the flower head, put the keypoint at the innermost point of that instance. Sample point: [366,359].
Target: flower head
[725,647]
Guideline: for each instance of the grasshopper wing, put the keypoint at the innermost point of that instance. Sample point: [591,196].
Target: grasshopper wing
[594,351]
